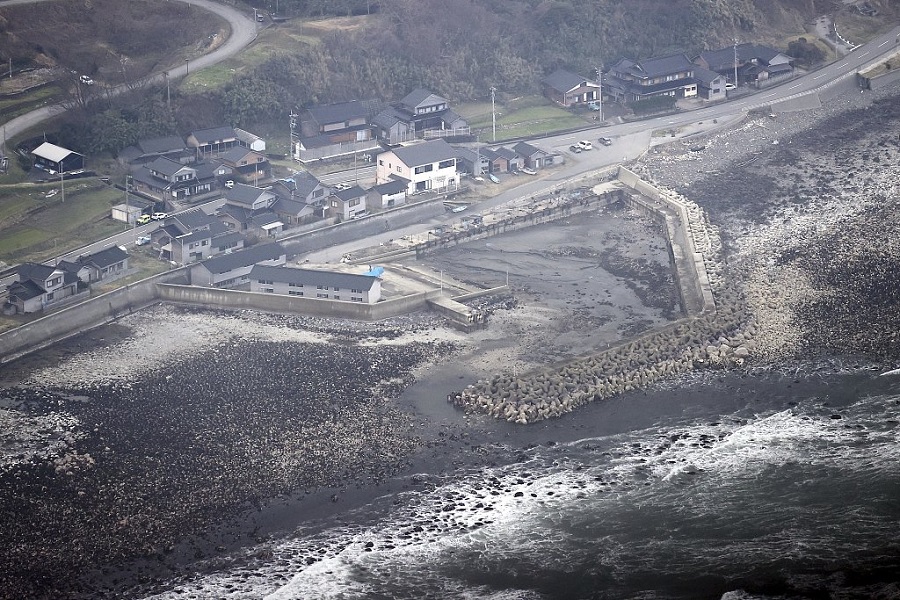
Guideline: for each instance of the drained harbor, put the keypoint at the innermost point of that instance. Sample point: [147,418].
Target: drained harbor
[148,452]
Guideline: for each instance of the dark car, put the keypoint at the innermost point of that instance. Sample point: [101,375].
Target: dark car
[575,148]
[605,141]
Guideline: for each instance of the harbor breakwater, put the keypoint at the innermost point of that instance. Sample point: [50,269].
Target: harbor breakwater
[717,330]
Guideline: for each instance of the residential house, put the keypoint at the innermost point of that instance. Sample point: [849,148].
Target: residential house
[632,81]
[107,264]
[710,85]
[171,146]
[246,165]
[233,268]
[568,89]
[252,209]
[166,179]
[348,203]
[40,286]
[533,157]
[304,187]
[213,141]
[55,159]
[420,114]
[502,160]
[190,237]
[471,161]
[389,194]
[426,166]
[316,284]
[334,129]
[250,140]
[756,64]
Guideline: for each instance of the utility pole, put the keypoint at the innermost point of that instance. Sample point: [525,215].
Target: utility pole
[600,90]
[168,94]
[493,114]
[62,182]
[735,63]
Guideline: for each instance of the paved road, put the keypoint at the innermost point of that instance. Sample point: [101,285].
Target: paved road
[243,31]
[633,139]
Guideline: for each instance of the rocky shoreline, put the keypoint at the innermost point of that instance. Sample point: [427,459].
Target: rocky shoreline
[143,449]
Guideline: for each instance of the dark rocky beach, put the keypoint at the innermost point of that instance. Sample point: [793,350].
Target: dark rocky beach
[158,447]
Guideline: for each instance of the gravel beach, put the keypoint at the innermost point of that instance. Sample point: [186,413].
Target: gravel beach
[151,448]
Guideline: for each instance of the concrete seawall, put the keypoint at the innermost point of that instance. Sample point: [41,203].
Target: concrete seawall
[91,313]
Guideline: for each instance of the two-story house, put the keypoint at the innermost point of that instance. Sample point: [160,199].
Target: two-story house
[250,209]
[568,89]
[191,236]
[315,284]
[419,114]
[212,141]
[426,166]
[755,64]
[246,165]
[40,286]
[348,203]
[170,146]
[103,265]
[632,81]
[167,179]
[233,269]
[334,129]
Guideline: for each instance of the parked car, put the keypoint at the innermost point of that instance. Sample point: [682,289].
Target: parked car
[143,219]
[142,240]
[575,148]
[528,171]
[159,216]
[605,141]
[229,184]
[51,193]
[86,80]
[585,145]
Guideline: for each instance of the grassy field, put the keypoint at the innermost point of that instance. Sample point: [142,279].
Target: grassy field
[34,227]
[520,117]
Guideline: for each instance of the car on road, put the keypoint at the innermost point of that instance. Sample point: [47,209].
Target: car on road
[144,219]
[575,148]
[159,216]
[142,240]
[730,86]
[605,141]
[51,193]
[585,145]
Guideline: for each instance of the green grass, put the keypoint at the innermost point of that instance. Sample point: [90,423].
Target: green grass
[524,116]
[36,228]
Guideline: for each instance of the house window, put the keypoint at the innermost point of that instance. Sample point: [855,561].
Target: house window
[204,243]
[321,295]
[424,169]
[355,299]
[295,293]
[295,285]
[380,162]
[446,164]
[318,193]
[355,291]
[264,282]
[268,290]
[49,297]
[354,202]
[336,297]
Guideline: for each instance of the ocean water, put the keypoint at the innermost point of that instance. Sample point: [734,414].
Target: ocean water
[797,501]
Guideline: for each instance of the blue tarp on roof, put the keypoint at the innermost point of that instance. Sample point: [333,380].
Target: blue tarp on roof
[375,272]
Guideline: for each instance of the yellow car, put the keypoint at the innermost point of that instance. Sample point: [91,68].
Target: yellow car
[143,219]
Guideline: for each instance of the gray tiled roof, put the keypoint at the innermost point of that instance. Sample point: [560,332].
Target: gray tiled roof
[425,153]
[656,66]
[164,165]
[389,188]
[244,258]
[160,145]
[338,112]
[705,76]
[214,134]
[421,96]
[104,258]
[313,277]
[350,193]
[564,81]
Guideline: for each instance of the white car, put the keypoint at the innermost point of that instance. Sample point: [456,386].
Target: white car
[585,145]
[142,240]
[86,80]
[159,216]
[229,184]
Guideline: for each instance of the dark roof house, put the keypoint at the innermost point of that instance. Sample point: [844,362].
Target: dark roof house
[568,89]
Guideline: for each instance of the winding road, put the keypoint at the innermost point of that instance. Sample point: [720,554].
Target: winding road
[243,32]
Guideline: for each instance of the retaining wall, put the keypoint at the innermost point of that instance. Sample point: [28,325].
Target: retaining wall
[277,303]
[91,313]
[690,269]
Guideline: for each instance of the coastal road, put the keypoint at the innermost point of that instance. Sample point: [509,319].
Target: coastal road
[631,140]
[243,32]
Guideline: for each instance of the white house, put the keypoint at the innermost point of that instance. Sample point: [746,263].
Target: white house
[315,284]
[426,165]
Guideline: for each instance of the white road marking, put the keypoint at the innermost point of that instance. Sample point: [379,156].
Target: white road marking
[883,43]
[842,66]
[866,53]
[795,86]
